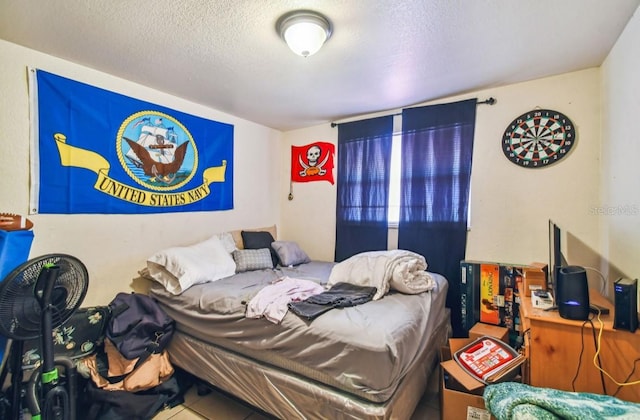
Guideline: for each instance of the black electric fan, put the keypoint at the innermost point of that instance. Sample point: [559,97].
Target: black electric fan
[36,297]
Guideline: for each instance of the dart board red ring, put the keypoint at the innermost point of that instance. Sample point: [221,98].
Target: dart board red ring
[538,138]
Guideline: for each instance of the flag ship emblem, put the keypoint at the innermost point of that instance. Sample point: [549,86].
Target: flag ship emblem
[160,160]
[160,157]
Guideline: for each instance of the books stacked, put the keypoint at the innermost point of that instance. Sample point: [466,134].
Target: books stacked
[490,292]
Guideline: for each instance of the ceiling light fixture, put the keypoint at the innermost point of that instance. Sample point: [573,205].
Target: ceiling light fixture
[304,31]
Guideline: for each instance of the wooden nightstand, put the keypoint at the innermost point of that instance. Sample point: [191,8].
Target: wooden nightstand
[554,348]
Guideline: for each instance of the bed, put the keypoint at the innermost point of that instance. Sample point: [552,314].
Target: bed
[367,361]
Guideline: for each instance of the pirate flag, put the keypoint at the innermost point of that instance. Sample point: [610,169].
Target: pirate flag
[313,162]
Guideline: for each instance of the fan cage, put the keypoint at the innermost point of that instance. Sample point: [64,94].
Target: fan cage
[20,308]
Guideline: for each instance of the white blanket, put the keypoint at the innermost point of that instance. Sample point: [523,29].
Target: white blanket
[400,270]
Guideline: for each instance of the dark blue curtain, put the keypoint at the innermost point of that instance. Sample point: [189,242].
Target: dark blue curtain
[364,160]
[437,147]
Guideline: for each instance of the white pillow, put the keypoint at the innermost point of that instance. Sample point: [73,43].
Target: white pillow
[179,268]
[227,241]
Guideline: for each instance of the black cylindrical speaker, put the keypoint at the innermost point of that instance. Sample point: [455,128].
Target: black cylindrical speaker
[573,293]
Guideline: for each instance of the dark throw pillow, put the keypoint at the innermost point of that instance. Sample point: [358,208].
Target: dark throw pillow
[258,240]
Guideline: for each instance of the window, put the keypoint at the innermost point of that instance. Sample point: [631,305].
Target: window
[393,212]
[409,171]
[364,155]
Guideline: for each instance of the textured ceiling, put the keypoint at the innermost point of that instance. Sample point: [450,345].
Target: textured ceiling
[383,54]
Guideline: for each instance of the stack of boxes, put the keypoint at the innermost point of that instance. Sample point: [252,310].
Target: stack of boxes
[490,306]
[490,292]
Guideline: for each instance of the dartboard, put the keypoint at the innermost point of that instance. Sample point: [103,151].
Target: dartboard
[538,138]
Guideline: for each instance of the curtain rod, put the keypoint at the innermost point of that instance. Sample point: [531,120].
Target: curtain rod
[490,101]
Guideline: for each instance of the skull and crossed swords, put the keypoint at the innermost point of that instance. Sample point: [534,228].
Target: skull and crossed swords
[313,168]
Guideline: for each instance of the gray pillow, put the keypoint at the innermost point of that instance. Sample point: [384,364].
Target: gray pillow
[289,253]
[252,259]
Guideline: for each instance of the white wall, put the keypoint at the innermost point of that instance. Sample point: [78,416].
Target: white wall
[620,215]
[510,205]
[115,247]
[310,218]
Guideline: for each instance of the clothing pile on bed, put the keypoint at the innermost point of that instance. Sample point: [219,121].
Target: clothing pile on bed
[341,295]
[357,280]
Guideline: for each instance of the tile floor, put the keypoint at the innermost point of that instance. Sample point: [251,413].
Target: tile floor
[217,406]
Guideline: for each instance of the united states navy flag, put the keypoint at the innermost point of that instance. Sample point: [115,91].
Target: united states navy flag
[95,151]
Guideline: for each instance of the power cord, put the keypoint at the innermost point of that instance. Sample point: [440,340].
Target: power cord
[573,381]
[597,355]
[597,347]
[628,376]
[603,282]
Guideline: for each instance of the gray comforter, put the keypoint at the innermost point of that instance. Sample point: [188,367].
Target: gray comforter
[365,349]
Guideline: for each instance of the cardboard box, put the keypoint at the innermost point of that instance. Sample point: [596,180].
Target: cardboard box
[534,277]
[457,402]
[480,330]
[461,394]
[539,266]
[461,405]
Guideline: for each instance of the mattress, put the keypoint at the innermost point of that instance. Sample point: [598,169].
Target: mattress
[287,395]
[365,350]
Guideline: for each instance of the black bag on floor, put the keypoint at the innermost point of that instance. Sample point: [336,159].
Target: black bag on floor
[100,404]
[123,405]
[138,326]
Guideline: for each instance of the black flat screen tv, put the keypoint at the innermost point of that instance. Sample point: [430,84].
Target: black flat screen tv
[556,258]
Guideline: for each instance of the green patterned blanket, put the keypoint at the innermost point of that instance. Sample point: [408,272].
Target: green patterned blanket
[513,400]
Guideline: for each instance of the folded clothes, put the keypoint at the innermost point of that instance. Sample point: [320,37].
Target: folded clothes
[341,295]
[344,294]
[308,311]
